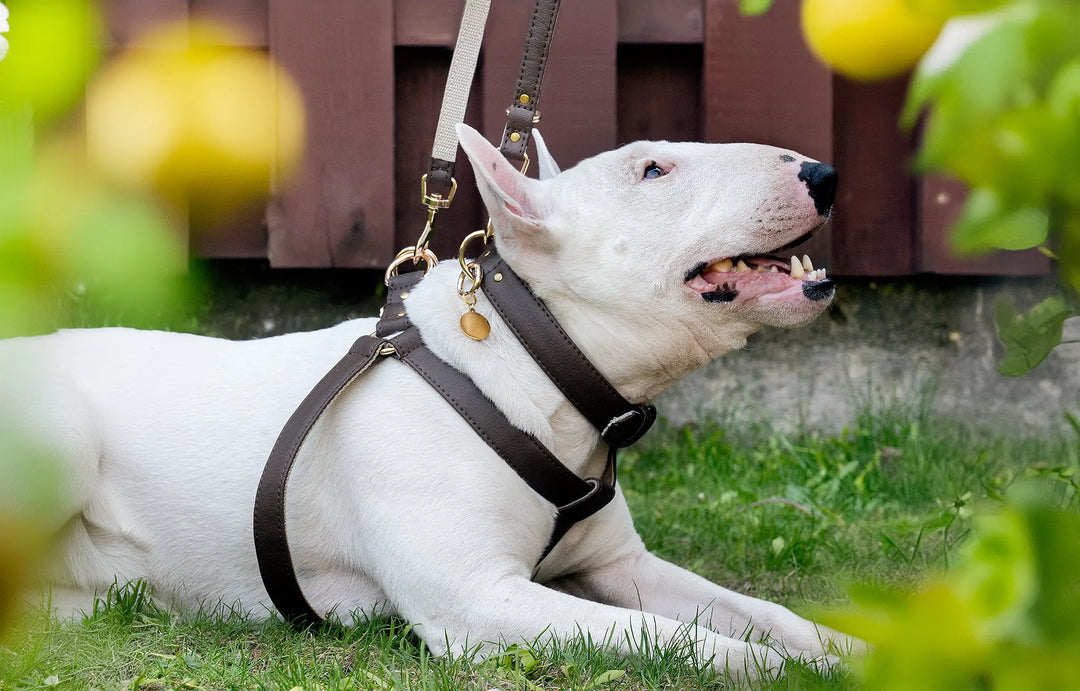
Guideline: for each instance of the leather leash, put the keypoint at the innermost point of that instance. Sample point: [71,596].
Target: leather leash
[522,113]
[619,422]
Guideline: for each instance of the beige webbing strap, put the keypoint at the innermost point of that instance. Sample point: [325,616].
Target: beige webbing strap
[456,95]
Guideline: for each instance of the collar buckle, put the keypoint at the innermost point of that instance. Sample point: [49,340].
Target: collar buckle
[627,428]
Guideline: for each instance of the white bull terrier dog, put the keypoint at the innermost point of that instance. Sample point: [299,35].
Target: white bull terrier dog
[654,259]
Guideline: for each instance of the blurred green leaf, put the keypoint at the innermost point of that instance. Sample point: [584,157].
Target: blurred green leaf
[1004,117]
[998,569]
[1029,338]
[54,46]
[1057,552]
[1000,114]
[754,7]
[16,140]
[980,80]
[1006,617]
[986,224]
[1064,93]
[951,8]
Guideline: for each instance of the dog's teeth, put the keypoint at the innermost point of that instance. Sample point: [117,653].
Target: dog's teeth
[796,268]
[822,272]
[773,270]
[760,269]
[806,263]
[741,267]
[723,266]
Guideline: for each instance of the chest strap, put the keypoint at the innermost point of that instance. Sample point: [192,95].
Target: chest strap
[574,497]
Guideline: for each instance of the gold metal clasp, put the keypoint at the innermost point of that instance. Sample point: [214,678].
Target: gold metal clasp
[409,254]
[434,202]
[470,268]
[473,324]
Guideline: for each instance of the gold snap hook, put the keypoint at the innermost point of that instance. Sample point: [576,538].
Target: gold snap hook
[434,202]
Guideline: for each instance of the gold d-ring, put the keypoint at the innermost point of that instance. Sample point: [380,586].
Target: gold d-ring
[408,254]
[475,235]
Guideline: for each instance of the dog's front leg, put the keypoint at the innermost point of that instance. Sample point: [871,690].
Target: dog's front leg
[642,580]
[517,610]
[606,561]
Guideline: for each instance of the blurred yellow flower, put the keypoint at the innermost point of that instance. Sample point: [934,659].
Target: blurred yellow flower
[868,40]
[186,114]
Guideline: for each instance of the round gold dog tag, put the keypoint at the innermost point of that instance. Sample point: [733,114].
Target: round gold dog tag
[475,326]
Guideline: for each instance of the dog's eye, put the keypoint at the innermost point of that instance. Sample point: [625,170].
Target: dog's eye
[653,171]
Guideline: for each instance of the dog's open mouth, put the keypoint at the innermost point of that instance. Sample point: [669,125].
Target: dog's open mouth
[747,277]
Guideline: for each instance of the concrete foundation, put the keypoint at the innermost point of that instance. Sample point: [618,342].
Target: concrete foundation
[914,345]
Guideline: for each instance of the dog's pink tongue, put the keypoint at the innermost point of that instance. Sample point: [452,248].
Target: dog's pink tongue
[701,284]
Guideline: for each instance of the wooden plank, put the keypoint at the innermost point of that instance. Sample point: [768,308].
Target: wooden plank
[420,79]
[127,19]
[673,21]
[339,211]
[761,82]
[874,227]
[578,98]
[423,23]
[241,235]
[248,17]
[650,81]
[426,23]
[762,85]
[941,201]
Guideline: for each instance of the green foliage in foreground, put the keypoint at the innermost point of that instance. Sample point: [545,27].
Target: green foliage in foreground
[890,502]
[1004,117]
[1007,616]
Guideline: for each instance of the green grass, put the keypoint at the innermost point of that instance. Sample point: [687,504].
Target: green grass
[788,518]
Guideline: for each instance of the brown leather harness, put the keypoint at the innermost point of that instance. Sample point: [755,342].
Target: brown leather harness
[619,422]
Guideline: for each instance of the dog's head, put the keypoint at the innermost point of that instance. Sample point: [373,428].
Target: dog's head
[672,242]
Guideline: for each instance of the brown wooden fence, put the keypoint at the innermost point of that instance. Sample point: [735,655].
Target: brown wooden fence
[372,74]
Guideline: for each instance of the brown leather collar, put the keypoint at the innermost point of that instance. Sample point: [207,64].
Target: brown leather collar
[619,422]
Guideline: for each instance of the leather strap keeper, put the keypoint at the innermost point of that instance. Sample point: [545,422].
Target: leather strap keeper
[440,173]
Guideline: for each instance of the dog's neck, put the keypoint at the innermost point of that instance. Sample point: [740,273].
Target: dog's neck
[640,360]
[643,353]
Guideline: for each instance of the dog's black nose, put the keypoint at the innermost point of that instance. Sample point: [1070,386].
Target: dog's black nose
[820,179]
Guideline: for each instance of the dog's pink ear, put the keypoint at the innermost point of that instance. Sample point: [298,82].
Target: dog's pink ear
[506,191]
